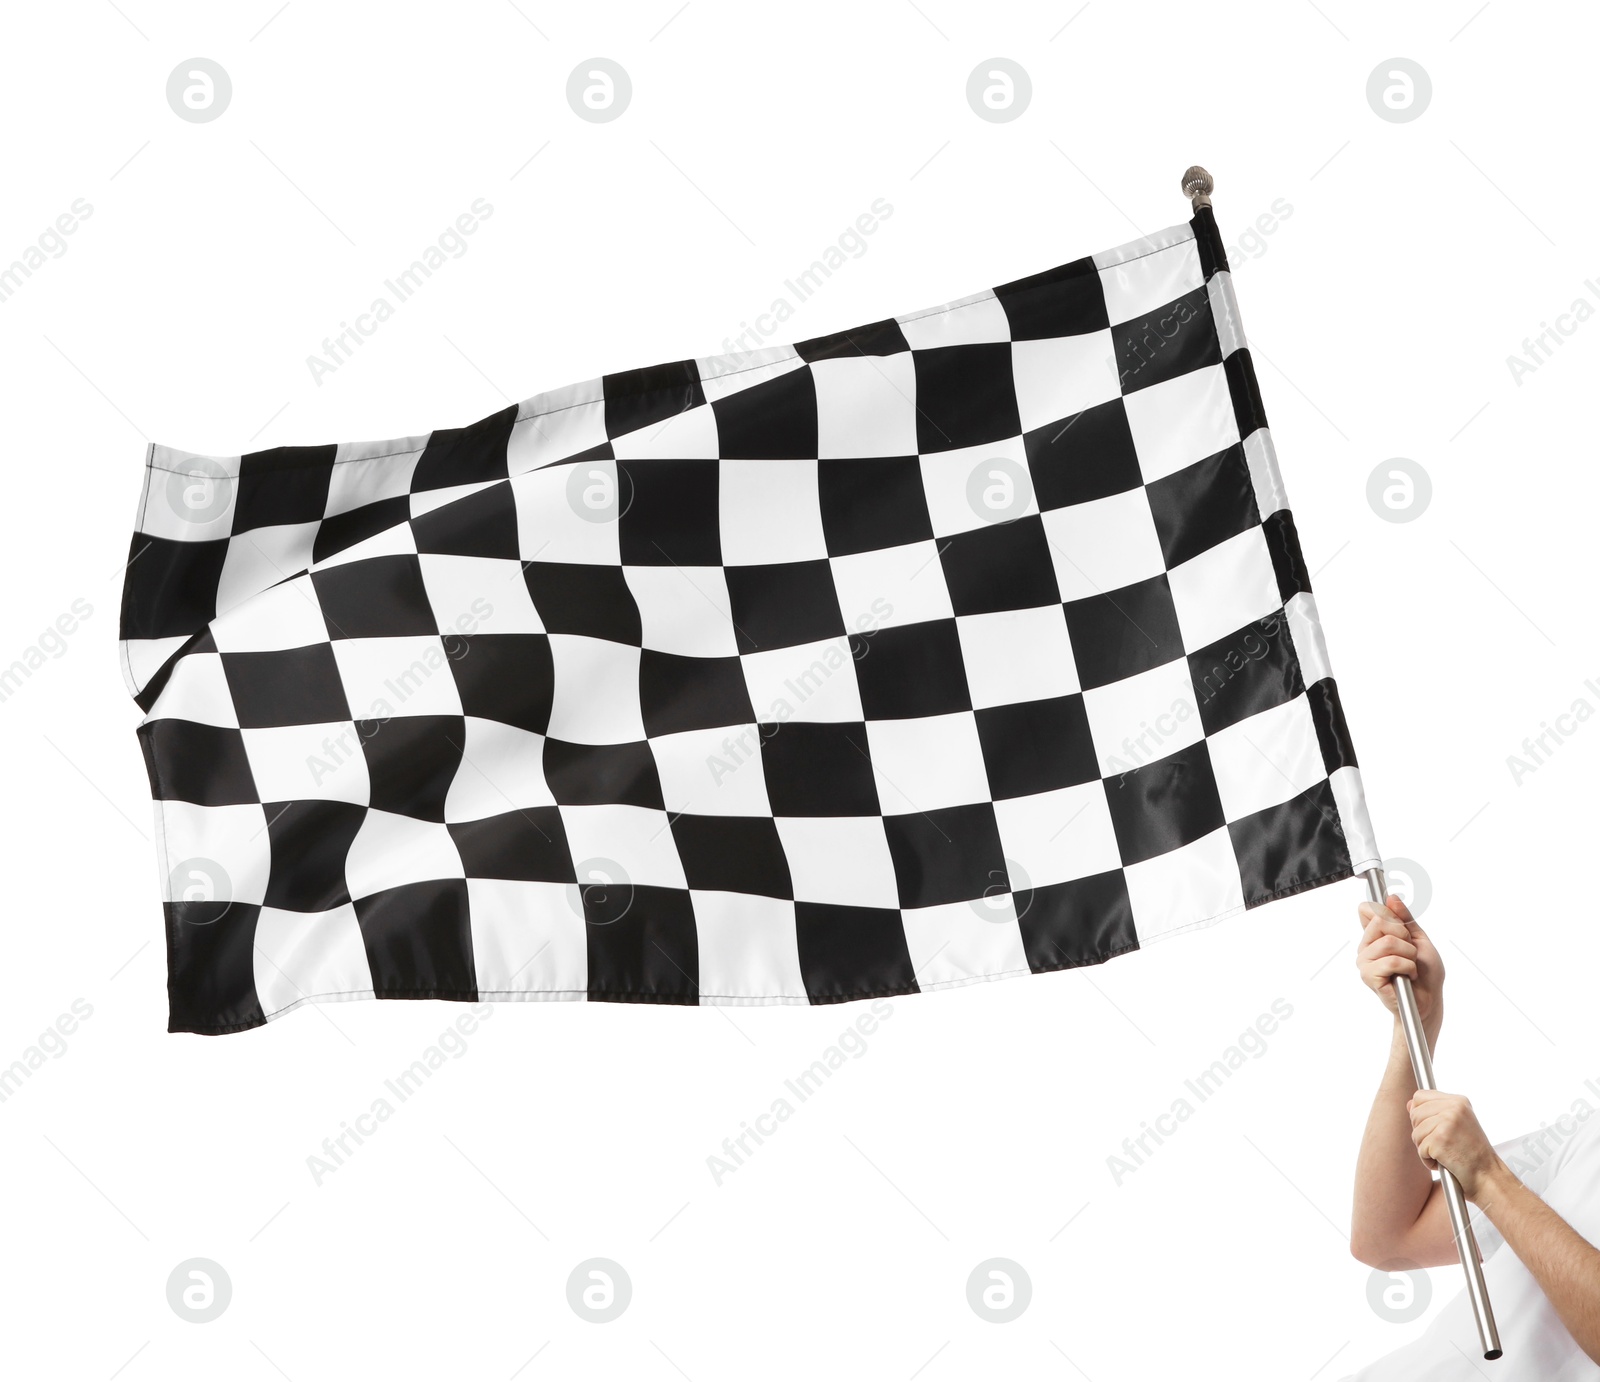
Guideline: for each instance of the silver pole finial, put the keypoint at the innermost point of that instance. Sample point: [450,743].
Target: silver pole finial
[1197,187]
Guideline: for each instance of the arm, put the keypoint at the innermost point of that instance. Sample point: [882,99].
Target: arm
[1566,1266]
[1399,1211]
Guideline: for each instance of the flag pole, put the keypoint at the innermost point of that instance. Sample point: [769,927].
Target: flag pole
[1455,1201]
[1198,186]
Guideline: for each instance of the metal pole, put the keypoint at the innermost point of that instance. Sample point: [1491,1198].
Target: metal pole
[1198,186]
[1455,1201]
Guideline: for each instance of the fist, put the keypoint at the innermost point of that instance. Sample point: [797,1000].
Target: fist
[1392,944]
[1447,1134]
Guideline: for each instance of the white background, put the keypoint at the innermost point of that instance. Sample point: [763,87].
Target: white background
[1414,260]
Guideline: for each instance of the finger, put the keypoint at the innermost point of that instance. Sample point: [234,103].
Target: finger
[1434,1095]
[1422,1132]
[1427,1103]
[1381,926]
[1380,946]
[1396,904]
[1375,932]
[1388,967]
[1375,935]
[1427,1137]
[1370,912]
[1447,1110]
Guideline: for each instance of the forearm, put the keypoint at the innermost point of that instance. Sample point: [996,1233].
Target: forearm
[1392,1186]
[1566,1266]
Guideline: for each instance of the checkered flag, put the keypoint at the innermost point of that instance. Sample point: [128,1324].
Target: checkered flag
[972,643]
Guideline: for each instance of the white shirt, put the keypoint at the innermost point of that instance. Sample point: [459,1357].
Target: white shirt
[1560,1164]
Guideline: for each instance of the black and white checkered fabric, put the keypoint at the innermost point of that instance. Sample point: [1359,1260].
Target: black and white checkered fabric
[967,644]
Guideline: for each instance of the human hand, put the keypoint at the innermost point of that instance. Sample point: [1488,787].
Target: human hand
[1392,944]
[1447,1133]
